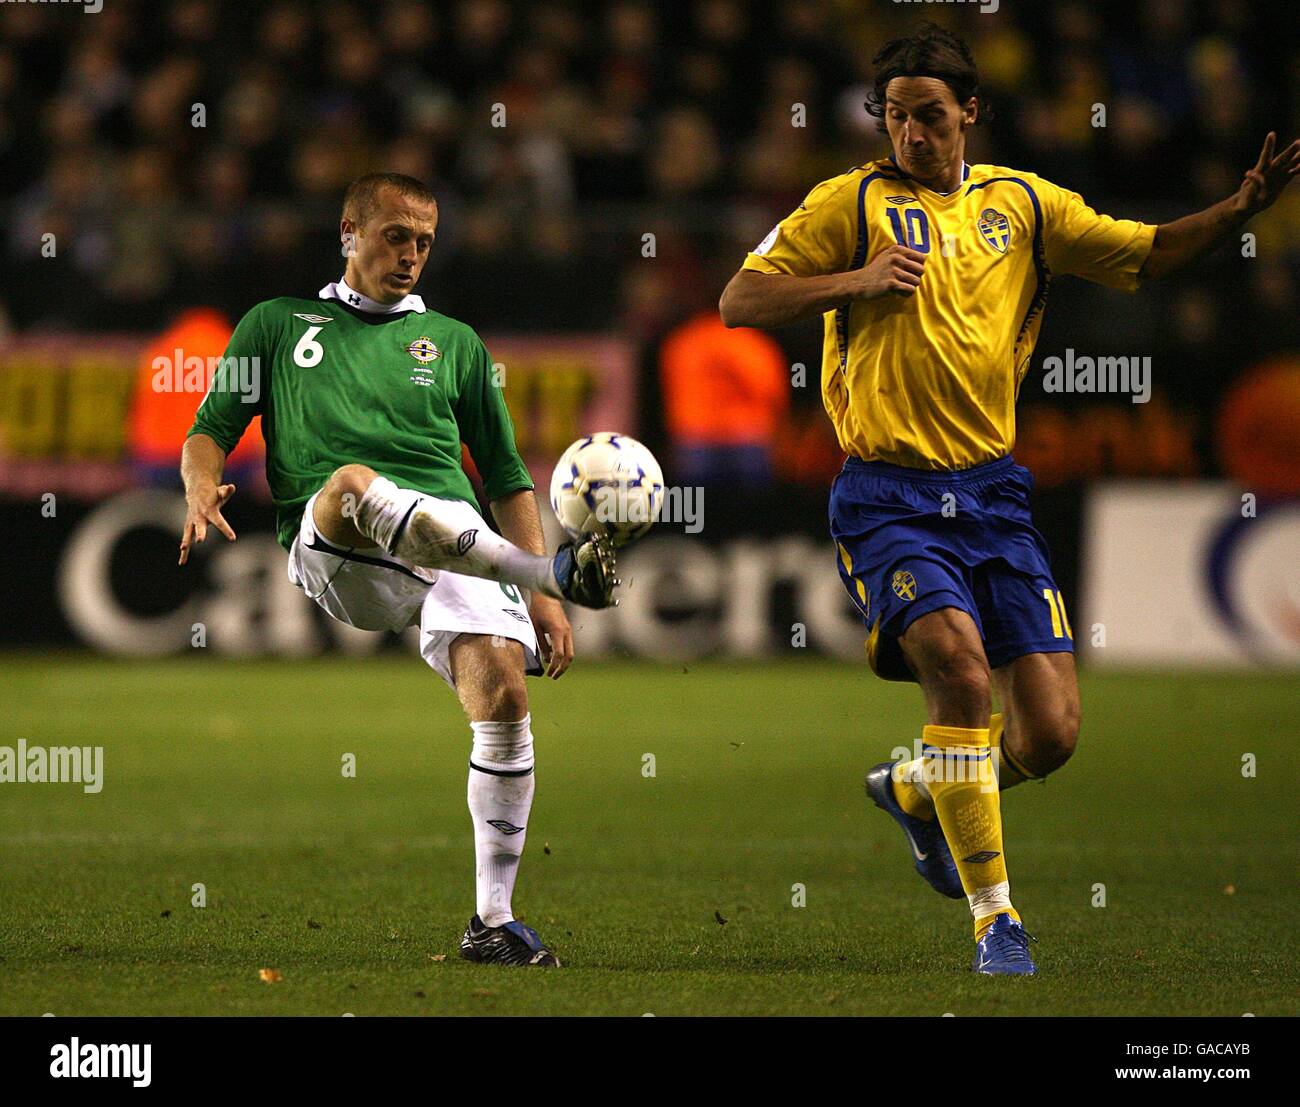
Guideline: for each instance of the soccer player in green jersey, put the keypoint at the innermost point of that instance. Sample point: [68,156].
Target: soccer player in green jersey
[366,396]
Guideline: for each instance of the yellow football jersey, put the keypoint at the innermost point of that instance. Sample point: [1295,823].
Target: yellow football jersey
[930,381]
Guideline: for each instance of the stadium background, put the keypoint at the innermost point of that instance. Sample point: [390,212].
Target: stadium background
[187,159]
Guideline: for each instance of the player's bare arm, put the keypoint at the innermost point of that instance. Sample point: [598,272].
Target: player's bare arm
[776,299]
[202,462]
[1181,242]
[517,516]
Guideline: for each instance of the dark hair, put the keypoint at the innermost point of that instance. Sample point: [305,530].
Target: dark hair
[361,198]
[931,51]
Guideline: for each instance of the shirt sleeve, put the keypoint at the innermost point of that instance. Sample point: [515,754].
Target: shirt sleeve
[1082,243]
[820,236]
[237,390]
[486,428]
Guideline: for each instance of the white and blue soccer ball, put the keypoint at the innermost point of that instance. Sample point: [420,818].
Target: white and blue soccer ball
[607,483]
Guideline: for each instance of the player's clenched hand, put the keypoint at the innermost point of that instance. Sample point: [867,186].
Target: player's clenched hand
[554,635]
[204,510]
[896,269]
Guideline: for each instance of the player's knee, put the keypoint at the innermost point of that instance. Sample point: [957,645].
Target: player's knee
[1051,740]
[337,504]
[502,695]
[489,676]
[507,699]
[349,480]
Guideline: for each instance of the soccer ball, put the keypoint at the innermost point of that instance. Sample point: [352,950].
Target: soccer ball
[610,484]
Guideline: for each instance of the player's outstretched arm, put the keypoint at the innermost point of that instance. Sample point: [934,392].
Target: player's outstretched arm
[753,299]
[202,463]
[1184,240]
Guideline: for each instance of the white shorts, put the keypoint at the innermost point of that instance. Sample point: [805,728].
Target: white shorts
[366,588]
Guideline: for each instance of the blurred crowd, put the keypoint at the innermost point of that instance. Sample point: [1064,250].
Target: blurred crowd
[188,152]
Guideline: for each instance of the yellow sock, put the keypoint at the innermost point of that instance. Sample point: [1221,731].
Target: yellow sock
[910,797]
[916,800]
[959,776]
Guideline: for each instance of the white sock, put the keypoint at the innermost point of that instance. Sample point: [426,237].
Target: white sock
[501,786]
[384,507]
[410,525]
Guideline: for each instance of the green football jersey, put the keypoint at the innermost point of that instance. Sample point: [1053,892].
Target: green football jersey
[335,386]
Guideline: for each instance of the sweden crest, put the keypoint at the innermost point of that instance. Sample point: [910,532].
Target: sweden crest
[996,229]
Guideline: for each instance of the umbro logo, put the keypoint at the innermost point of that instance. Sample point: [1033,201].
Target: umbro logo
[900,199]
[308,317]
[466,541]
[505,826]
[984,855]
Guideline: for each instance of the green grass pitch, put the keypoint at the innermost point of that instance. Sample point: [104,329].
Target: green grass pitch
[229,774]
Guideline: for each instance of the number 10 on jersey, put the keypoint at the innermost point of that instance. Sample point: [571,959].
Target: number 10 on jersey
[917,235]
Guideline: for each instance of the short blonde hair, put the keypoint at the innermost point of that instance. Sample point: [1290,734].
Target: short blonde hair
[362,196]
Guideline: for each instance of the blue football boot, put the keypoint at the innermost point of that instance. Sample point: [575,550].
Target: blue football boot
[1004,950]
[925,839]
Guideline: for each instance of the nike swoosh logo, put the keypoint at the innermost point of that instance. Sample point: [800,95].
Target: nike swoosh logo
[912,842]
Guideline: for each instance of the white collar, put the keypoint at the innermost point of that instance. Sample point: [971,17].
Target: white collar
[341,290]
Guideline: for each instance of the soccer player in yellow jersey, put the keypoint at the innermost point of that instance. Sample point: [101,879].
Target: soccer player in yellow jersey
[931,275]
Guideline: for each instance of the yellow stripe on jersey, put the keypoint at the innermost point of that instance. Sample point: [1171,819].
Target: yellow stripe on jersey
[930,381]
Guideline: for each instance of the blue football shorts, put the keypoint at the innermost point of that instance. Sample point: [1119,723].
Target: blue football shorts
[910,541]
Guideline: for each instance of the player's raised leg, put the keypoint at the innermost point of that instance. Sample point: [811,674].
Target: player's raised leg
[945,651]
[1039,727]
[489,675]
[358,507]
